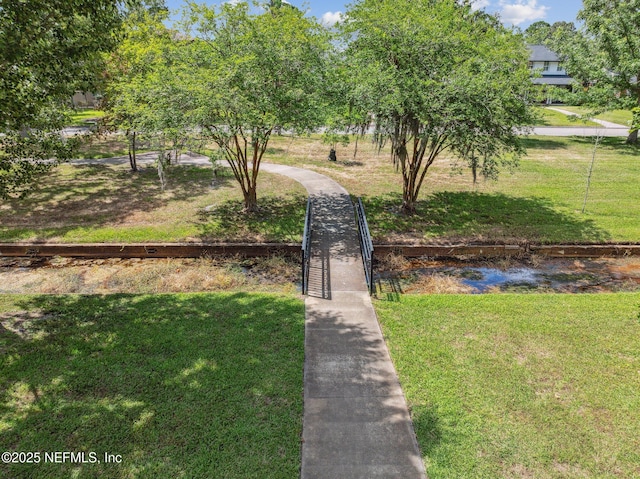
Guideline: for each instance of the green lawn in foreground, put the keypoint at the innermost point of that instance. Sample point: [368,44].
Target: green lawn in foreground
[542,386]
[180,385]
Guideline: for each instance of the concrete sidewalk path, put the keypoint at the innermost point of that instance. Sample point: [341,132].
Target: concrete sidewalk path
[606,124]
[356,421]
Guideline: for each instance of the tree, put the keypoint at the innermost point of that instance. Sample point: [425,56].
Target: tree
[49,49]
[141,96]
[605,56]
[537,33]
[541,33]
[251,73]
[437,77]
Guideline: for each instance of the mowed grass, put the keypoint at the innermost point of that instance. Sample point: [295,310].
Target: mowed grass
[104,203]
[539,201]
[542,386]
[621,117]
[549,117]
[81,117]
[185,385]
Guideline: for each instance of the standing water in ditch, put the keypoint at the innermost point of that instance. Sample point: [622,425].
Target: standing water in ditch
[533,275]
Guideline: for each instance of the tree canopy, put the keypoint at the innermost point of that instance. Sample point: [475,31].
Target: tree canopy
[437,77]
[48,50]
[141,96]
[541,32]
[604,55]
[251,73]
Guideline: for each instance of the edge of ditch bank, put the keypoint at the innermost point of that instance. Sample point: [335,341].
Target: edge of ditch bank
[196,250]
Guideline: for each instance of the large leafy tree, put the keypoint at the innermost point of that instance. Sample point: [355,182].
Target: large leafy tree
[437,78]
[48,49]
[252,71]
[541,32]
[141,95]
[604,55]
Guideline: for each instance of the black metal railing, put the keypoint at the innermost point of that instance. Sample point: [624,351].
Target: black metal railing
[306,248]
[366,245]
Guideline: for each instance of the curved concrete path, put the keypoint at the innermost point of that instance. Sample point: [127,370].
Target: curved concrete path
[356,422]
[606,124]
[606,129]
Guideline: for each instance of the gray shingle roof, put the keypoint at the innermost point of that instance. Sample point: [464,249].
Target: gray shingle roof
[540,53]
[563,80]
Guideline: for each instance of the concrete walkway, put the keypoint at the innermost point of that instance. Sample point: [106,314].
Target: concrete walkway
[356,422]
[606,124]
[606,128]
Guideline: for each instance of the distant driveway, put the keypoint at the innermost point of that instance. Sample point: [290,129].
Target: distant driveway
[606,128]
[580,131]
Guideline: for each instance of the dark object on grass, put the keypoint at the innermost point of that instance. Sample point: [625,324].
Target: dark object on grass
[332,155]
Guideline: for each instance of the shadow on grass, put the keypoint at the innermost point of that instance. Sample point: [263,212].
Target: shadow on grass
[277,219]
[98,195]
[617,145]
[179,385]
[470,216]
[543,143]
[345,355]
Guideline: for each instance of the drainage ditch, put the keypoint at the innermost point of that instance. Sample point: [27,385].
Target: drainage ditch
[510,275]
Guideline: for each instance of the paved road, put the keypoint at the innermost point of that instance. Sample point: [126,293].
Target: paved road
[579,131]
[606,128]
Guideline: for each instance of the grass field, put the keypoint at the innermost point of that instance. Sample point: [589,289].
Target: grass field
[187,385]
[80,117]
[101,203]
[541,201]
[555,118]
[542,386]
[621,117]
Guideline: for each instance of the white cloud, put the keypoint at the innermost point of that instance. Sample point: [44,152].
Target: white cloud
[478,4]
[521,11]
[329,19]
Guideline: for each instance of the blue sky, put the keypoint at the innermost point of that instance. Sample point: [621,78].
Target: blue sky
[520,13]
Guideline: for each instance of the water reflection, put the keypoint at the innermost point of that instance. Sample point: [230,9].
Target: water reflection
[548,275]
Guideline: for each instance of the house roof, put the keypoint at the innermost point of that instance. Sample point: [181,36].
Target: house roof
[550,80]
[540,53]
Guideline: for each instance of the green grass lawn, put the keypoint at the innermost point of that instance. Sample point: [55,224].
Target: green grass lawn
[540,201]
[621,117]
[542,386]
[93,147]
[102,203]
[80,117]
[555,118]
[185,385]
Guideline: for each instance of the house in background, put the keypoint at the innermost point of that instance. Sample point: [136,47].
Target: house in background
[83,99]
[549,70]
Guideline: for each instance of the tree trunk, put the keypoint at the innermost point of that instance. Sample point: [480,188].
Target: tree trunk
[250,200]
[408,198]
[132,152]
[408,208]
[632,139]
